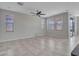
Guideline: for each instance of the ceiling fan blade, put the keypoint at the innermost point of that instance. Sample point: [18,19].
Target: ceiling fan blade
[20,3]
[42,14]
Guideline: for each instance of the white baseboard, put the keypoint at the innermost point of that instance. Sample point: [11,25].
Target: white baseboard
[17,39]
[21,38]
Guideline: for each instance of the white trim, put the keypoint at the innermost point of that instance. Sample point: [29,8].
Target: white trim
[76,26]
[16,39]
[22,38]
[68,26]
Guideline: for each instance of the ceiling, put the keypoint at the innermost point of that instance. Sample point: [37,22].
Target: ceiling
[49,8]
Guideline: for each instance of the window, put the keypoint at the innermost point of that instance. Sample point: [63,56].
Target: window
[9,23]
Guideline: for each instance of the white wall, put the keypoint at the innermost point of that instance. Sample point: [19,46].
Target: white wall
[0,25]
[78,25]
[25,26]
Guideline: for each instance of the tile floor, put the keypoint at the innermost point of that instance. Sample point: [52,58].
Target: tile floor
[38,46]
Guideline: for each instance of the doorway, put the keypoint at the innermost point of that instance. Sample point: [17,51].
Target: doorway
[72,26]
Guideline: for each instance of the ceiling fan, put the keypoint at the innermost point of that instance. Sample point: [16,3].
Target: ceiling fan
[37,13]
